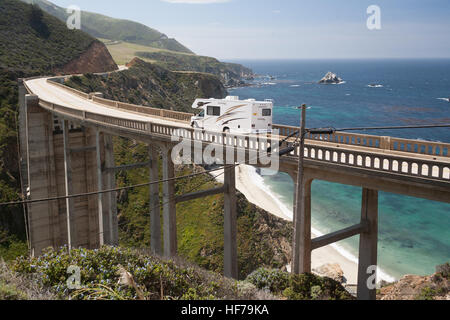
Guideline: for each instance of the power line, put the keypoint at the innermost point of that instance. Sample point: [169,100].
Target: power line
[80,195]
[444,125]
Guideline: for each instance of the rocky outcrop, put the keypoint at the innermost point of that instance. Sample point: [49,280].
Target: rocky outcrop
[95,59]
[411,287]
[151,85]
[333,271]
[330,78]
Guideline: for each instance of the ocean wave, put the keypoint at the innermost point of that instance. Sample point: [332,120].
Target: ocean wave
[337,84]
[444,99]
[295,86]
[375,86]
[288,212]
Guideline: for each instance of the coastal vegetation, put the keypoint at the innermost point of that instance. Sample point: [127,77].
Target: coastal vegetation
[100,26]
[231,74]
[151,85]
[126,274]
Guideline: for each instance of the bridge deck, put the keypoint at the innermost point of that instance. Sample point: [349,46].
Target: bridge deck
[426,163]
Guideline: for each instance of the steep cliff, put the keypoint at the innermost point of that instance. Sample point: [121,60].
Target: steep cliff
[231,74]
[95,59]
[151,85]
[411,287]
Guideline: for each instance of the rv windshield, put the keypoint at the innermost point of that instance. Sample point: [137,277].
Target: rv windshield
[267,112]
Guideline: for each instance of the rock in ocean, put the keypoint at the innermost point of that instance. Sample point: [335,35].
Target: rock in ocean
[330,78]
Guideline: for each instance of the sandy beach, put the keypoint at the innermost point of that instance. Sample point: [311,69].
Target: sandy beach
[250,185]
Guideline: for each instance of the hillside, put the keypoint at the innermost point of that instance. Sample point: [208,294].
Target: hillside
[412,287]
[32,43]
[231,74]
[125,274]
[101,26]
[151,85]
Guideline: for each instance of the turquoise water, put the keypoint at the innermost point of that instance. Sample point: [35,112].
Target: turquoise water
[414,233]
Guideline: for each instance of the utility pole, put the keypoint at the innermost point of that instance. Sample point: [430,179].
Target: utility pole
[300,228]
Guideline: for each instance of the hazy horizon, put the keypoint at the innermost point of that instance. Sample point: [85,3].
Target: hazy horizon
[291,29]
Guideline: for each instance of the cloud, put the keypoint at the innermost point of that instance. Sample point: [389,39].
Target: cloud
[196,1]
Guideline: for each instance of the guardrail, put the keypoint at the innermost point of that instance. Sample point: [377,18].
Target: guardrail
[376,142]
[377,160]
[415,167]
[162,113]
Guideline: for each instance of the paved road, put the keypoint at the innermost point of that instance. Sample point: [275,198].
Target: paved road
[57,95]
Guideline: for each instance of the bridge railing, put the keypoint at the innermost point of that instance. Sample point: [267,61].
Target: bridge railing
[384,162]
[353,139]
[172,115]
[376,142]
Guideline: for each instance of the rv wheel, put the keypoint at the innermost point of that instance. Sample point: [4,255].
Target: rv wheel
[226,130]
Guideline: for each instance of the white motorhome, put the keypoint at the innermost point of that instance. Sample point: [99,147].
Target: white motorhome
[234,115]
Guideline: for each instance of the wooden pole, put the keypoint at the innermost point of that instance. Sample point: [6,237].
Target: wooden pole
[230,225]
[301,257]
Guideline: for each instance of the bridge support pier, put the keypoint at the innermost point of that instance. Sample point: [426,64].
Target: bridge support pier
[368,247]
[169,206]
[155,209]
[230,225]
[38,148]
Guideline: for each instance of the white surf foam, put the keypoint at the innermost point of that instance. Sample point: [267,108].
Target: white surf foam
[444,99]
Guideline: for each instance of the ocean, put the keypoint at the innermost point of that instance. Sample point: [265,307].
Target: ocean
[414,234]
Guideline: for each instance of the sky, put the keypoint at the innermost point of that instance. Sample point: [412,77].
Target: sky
[291,29]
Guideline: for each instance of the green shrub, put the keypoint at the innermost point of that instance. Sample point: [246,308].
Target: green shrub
[156,278]
[427,294]
[269,279]
[311,287]
[444,270]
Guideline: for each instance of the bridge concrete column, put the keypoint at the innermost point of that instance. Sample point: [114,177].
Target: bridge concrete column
[23,136]
[368,247]
[230,225]
[169,206]
[155,209]
[37,138]
[68,183]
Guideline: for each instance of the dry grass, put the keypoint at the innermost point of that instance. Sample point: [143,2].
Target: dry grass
[16,287]
[124,52]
